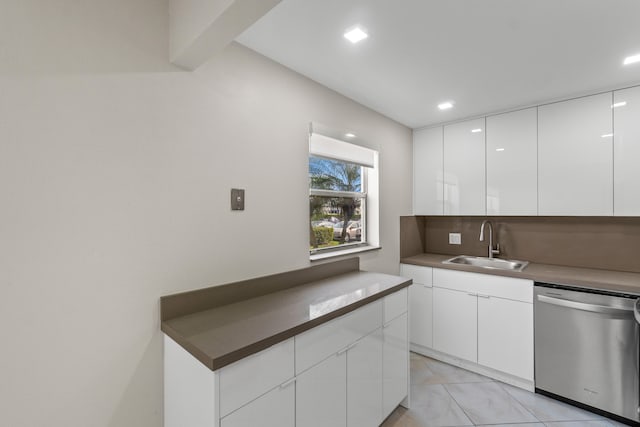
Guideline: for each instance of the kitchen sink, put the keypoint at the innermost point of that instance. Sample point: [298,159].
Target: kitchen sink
[484,262]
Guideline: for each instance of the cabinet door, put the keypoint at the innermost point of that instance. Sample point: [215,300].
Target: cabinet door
[395,368]
[626,143]
[419,274]
[575,157]
[455,323]
[512,163]
[505,336]
[428,182]
[253,376]
[364,381]
[421,314]
[321,394]
[464,168]
[273,409]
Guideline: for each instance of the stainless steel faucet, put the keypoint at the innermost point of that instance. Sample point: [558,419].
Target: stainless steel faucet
[492,251]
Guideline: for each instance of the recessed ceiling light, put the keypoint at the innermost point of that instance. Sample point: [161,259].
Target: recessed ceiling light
[355,35]
[350,135]
[619,104]
[476,130]
[499,149]
[607,135]
[632,59]
[445,105]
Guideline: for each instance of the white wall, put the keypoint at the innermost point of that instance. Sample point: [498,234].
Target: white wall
[115,170]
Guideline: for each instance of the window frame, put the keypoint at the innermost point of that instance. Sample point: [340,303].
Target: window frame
[366,204]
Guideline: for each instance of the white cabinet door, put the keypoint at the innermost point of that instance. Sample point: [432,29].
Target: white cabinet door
[248,378]
[421,314]
[464,168]
[318,343]
[418,273]
[273,409]
[512,163]
[395,368]
[505,336]
[455,323]
[364,382]
[626,143]
[575,157]
[321,394]
[428,183]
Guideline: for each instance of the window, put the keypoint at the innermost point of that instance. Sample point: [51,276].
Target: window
[340,183]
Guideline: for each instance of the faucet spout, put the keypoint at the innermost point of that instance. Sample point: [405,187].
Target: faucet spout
[491,251]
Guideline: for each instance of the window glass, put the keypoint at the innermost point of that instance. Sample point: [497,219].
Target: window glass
[336,198]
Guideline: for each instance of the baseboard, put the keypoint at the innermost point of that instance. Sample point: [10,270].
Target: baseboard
[473,367]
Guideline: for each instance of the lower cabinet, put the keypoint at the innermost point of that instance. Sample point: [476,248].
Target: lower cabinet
[321,394]
[395,363]
[274,409]
[505,336]
[421,313]
[455,323]
[420,304]
[345,389]
[349,372]
[482,319]
[364,381]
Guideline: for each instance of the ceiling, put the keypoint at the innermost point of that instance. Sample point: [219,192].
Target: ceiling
[485,55]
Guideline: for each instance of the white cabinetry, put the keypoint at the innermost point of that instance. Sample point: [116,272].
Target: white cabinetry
[512,162]
[486,321]
[420,303]
[575,157]
[395,352]
[332,361]
[274,409]
[321,394]
[626,143]
[455,327]
[505,335]
[246,379]
[345,389]
[351,371]
[464,168]
[364,381]
[428,182]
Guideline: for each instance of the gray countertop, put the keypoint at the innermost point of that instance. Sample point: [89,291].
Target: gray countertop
[222,335]
[589,278]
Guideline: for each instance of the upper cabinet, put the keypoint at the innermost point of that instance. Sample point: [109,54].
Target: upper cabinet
[626,146]
[575,157]
[512,176]
[427,172]
[572,158]
[464,168]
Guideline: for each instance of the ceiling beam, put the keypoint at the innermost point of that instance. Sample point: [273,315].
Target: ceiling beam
[201,28]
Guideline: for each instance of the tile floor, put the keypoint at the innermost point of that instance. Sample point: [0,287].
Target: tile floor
[444,395]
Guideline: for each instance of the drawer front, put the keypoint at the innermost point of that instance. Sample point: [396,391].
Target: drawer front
[274,409]
[315,345]
[419,274]
[484,284]
[395,305]
[246,379]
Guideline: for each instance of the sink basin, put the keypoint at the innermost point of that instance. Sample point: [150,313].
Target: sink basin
[484,262]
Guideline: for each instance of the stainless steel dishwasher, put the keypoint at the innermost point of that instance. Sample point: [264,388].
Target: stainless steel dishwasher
[586,349]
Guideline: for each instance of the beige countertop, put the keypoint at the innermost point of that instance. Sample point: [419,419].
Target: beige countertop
[589,278]
[222,335]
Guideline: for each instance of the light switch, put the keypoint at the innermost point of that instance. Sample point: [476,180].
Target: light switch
[237,199]
[455,239]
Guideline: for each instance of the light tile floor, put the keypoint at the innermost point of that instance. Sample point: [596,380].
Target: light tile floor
[447,396]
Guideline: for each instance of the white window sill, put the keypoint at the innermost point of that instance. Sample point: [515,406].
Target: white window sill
[347,251]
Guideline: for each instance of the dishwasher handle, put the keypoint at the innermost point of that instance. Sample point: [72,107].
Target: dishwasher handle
[636,310]
[594,308]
